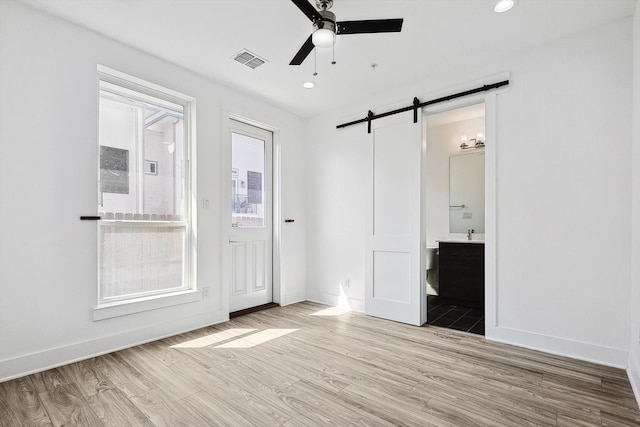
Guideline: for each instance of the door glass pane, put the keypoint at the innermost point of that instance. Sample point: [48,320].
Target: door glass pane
[247,181]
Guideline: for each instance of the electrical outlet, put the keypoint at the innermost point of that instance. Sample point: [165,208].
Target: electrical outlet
[205,292]
[467,215]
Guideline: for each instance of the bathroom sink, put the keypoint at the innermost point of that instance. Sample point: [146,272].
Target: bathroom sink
[462,238]
[462,241]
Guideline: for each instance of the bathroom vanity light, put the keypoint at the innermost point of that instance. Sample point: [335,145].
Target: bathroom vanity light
[477,142]
[463,142]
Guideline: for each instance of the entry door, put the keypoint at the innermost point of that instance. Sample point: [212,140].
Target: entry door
[395,276]
[250,219]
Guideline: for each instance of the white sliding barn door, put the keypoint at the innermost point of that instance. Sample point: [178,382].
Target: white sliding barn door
[395,275]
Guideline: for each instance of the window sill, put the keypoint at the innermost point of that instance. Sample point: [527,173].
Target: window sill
[124,308]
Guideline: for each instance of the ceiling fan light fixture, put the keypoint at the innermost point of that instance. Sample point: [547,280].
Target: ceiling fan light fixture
[323,37]
[324,29]
[502,6]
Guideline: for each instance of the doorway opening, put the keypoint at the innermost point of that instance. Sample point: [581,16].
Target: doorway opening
[250,220]
[454,181]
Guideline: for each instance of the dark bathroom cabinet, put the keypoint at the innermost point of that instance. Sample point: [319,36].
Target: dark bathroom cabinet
[462,273]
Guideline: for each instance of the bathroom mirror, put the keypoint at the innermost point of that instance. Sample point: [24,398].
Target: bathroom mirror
[466,192]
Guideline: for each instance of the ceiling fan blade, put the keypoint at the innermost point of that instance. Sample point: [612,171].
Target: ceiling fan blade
[307,9]
[304,51]
[370,26]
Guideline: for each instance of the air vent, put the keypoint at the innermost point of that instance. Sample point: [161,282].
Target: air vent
[255,62]
[249,59]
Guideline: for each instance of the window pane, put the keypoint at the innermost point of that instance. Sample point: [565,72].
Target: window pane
[141,156]
[140,260]
[247,181]
[143,183]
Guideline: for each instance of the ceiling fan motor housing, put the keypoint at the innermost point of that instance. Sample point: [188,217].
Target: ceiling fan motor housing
[327,22]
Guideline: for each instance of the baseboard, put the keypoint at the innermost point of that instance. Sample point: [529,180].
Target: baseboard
[36,362]
[633,371]
[293,298]
[321,301]
[353,304]
[615,357]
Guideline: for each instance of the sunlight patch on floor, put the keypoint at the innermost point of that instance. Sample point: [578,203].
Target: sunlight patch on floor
[332,311]
[213,338]
[342,307]
[257,338]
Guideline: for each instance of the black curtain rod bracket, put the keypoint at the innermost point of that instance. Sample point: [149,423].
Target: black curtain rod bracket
[417,104]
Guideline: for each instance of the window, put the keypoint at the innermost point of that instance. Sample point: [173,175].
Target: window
[144,183]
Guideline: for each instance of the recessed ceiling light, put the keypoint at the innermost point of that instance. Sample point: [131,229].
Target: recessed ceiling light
[504,5]
[308,85]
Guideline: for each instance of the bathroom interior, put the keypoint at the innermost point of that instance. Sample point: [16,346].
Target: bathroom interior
[455,210]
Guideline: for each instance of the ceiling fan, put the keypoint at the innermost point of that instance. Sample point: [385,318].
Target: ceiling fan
[326,28]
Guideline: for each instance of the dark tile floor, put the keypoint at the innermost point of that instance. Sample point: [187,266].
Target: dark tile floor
[454,317]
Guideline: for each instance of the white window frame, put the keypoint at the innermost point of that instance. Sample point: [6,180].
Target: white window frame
[124,305]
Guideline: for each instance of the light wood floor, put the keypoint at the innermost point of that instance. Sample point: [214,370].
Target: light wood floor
[287,367]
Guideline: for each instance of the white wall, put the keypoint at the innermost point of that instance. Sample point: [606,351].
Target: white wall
[48,178]
[336,181]
[563,184]
[634,355]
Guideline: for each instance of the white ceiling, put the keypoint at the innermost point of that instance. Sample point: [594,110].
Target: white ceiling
[437,36]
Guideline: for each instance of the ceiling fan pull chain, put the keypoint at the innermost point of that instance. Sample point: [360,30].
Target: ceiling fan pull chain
[333,50]
[315,62]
